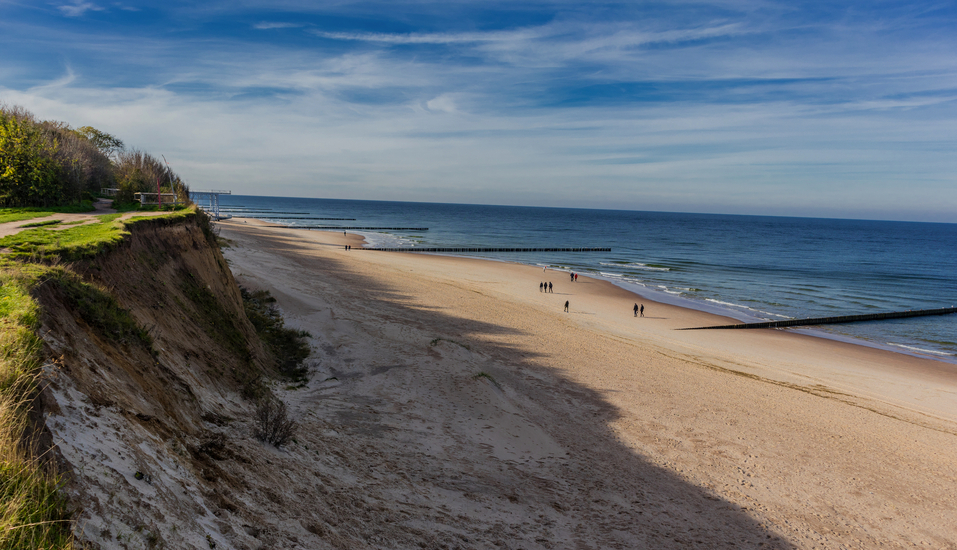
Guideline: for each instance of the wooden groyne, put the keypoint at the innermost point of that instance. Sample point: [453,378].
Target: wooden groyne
[344,228]
[294,218]
[243,211]
[418,249]
[836,320]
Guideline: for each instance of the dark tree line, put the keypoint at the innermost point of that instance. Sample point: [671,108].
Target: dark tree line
[48,163]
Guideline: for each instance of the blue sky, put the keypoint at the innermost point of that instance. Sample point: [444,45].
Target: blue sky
[833,109]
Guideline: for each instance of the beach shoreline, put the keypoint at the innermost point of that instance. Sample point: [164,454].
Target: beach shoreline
[814,439]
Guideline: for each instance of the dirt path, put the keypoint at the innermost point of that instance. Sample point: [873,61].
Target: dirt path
[100,207]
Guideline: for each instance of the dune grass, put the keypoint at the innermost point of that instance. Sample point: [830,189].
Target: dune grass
[32,512]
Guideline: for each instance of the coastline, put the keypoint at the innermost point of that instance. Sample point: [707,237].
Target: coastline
[802,433]
[739,313]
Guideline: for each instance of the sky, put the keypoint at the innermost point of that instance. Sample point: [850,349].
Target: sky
[821,109]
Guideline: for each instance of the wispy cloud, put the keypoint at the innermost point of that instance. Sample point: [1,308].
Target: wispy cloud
[420,38]
[711,106]
[78,8]
[266,25]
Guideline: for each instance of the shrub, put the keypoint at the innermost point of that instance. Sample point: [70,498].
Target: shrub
[287,346]
[28,174]
[273,424]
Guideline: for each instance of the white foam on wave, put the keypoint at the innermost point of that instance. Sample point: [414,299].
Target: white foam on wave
[729,304]
[636,265]
[920,350]
[385,240]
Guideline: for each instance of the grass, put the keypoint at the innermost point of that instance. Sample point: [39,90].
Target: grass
[28,213]
[32,512]
[41,224]
[223,327]
[76,243]
[287,346]
[98,308]
[137,207]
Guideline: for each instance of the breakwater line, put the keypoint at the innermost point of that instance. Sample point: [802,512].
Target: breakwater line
[344,228]
[423,249]
[836,320]
[293,218]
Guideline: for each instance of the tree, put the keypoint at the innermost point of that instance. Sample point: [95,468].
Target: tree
[29,176]
[108,144]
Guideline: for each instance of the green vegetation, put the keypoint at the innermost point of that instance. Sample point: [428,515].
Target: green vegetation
[47,167]
[75,243]
[98,308]
[42,224]
[44,163]
[287,346]
[223,326]
[33,514]
[29,212]
[28,172]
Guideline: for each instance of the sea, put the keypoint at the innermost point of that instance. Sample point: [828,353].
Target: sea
[750,268]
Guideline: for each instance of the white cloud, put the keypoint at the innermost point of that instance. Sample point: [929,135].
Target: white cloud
[442,103]
[267,25]
[423,38]
[78,8]
[480,117]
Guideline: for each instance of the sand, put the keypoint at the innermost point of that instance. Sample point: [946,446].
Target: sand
[469,403]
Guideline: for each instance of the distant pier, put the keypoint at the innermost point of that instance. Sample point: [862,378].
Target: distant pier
[418,249]
[836,320]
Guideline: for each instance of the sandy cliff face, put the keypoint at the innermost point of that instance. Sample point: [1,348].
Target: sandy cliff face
[139,425]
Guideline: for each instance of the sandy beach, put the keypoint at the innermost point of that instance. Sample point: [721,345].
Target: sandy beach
[467,402]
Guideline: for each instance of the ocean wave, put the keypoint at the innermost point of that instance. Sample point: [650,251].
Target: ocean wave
[636,265]
[920,350]
[740,306]
[719,302]
[773,314]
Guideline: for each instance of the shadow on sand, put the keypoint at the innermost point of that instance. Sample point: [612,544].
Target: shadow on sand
[603,494]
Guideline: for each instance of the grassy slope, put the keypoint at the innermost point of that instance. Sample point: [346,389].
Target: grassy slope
[32,514]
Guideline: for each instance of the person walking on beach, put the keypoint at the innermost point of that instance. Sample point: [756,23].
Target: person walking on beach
[566,306]
[576,277]
[550,287]
[642,310]
[540,285]
[636,310]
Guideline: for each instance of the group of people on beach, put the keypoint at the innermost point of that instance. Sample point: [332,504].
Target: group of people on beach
[547,287]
